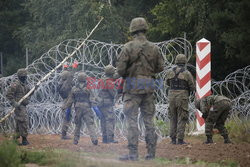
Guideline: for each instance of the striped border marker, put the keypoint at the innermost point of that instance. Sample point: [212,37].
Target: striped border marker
[203,77]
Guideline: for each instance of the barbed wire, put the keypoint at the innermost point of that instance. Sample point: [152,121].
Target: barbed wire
[44,110]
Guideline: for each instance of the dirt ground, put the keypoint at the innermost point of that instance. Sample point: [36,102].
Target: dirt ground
[195,150]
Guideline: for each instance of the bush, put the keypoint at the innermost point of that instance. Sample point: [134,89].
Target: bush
[239,131]
[9,155]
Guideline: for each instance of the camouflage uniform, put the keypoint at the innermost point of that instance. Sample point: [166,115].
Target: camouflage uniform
[64,88]
[180,82]
[82,99]
[137,63]
[17,90]
[106,106]
[215,110]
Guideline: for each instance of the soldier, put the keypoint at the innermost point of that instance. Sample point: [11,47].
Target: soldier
[137,63]
[181,83]
[17,90]
[65,87]
[83,100]
[107,95]
[215,110]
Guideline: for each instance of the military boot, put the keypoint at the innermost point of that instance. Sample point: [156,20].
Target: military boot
[75,142]
[151,154]
[226,139]
[181,141]
[112,140]
[95,142]
[132,156]
[25,141]
[64,136]
[173,140]
[209,140]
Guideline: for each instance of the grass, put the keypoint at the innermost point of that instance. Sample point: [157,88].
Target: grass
[13,156]
[239,131]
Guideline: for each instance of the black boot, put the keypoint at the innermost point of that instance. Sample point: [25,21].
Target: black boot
[209,140]
[132,156]
[75,142]
[112,140]
[151,154]
[95,142]
[64,136]
[226,139]
[25,141]
[181,141]
[173,140]
[129,157]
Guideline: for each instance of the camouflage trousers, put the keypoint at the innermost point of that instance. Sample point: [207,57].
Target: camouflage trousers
[132,102]
[22,121]
[217,117]
[66,121]
[86,115]
[178,115]
[107,121]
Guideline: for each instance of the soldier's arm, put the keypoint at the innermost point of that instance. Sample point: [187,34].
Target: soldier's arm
[191,83]
[92,99]
[69,101]
[11,94]
[122,62]
[204,106]
[160,62]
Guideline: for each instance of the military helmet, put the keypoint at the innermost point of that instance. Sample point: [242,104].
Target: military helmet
[65,75]
[21,72]
[109,70]
[138,24]
[82,76]
[198,104]
[180,59]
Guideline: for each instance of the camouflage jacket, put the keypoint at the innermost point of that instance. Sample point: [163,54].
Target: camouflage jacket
[185,77]
[16,91]
[65,87]
[81,97]
[108,92]
[139,59]
[207,102]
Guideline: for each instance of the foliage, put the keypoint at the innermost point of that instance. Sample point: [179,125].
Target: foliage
[239,131]
[39,25]
[9,156]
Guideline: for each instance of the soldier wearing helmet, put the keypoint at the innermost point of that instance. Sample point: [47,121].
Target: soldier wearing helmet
[139,59]
[16,91]
[180,82]
[83,100]
[215,110]
[64,88]
[106,105]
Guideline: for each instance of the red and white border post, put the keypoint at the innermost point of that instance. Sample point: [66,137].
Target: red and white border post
[203,77]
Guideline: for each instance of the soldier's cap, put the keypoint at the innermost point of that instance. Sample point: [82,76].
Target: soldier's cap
[21,72]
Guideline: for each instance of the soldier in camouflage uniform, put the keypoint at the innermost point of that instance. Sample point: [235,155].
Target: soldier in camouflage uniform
[107,95]
[181,83]
[83,99]
[17,90]
[215,110]
[64,88]
[137,63]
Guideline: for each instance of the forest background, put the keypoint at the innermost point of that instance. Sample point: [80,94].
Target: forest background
[41,24]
